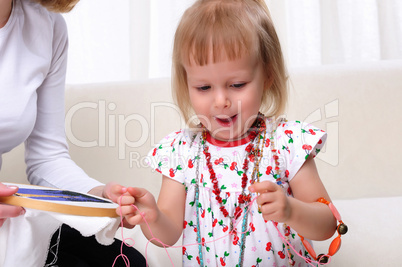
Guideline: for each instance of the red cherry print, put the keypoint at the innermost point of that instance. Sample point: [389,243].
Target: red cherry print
[320,142]
[306,147]
[267,143]
[269,169]
[216,161]
[154,152]
[223,263]
[287,232]
[185,224]
[252,227]
[171,172]
[190,163]
[281,254]
[214,222]
[311,131]
[203,214]
[233,166]
[198,260]
[184,250]
[269,246]
[225,228]
[235,240]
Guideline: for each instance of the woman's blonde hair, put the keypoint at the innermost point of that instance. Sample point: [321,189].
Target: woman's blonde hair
[229,29]
[61,6]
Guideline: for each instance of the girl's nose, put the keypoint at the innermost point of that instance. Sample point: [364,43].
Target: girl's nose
[222,99]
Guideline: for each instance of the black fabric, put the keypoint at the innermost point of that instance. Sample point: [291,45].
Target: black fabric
[74,250]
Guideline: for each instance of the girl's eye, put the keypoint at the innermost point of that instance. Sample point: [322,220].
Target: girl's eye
[238,85]
[203,88]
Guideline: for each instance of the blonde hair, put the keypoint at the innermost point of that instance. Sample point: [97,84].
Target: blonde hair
[230,29]
[60,6]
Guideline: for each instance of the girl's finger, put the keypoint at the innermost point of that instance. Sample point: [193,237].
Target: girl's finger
[125,200]
[262,187]
[125,211]
[134,220]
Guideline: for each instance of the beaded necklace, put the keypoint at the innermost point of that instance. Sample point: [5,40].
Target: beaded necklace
[251,151]
[244,199]
[278,179]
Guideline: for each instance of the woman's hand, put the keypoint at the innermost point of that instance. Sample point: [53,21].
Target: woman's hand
[114,191]
[274,204]
[8,211]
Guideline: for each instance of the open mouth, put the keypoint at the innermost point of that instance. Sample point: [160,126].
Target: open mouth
[227,121]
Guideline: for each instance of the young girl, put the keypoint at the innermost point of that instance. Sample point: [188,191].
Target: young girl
[242,184]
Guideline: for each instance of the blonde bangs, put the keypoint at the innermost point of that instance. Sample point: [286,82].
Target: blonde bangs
[213,34]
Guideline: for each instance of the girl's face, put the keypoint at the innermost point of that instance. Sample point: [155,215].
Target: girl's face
[226,95]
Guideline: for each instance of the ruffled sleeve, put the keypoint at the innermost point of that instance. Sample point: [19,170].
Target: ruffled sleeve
[296,142]
[171,156]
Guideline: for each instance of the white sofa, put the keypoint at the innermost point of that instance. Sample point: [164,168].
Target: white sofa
[111,127]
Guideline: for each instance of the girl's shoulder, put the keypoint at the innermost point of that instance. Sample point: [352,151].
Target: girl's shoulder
[176,142]
[297,128]
[294,142]
[295,135]
[171,155]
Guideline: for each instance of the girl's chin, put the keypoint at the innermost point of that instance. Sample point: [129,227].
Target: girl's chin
[227,136]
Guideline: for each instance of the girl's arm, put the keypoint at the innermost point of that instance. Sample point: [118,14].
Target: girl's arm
[163,220]
[303,213]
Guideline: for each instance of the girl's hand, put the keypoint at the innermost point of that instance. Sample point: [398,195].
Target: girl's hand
[119,195]
[274,204]
[145,210]
[8,211]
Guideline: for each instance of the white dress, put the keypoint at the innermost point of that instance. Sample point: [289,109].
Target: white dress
[206,229]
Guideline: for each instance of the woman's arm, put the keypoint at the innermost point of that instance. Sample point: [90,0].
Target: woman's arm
[47,157]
